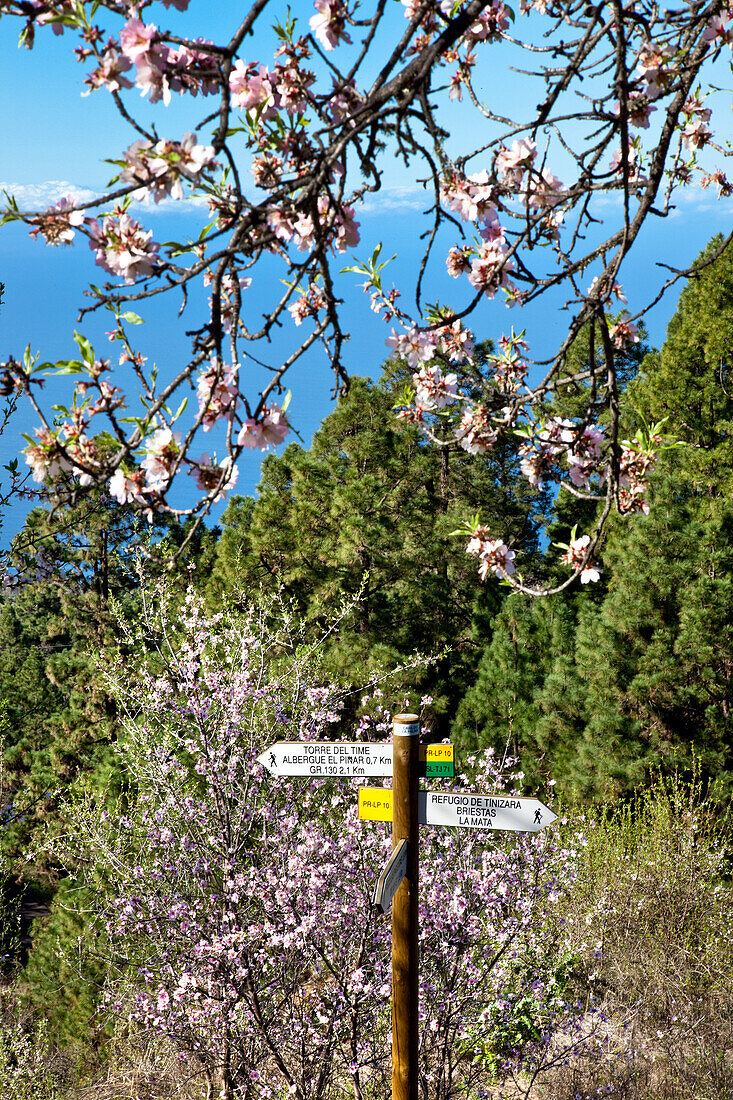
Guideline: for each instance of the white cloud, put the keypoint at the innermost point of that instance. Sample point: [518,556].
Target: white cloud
[393,199]
[690,199]
[187,205]
[39,196]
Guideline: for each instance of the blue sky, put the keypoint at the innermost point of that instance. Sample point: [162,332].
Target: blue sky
[55,140]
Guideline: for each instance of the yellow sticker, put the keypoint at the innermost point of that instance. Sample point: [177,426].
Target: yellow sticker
[375,804]
[436,752]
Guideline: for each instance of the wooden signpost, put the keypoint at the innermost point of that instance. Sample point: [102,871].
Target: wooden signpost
[407,807]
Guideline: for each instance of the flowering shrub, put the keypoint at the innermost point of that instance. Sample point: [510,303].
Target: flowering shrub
[237,908]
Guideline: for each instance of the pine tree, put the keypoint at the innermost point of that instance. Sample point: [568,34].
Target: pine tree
[639,677]
[367,512]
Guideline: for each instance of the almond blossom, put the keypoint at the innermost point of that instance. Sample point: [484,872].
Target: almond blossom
[718,31]
[414,346]
[126,487]
[250,86]
[136,38]
[269,431]
[329,25]
[318,134]
[45,458]
[475,433]
[623,332]
[471,197]
[123,248]
[217,393]
[257,926]
[433,389]
[307,304]
[109,73]
[575,555]
[494,556]
[512,164]
[60,221]
[162,450]
[211,475]
[160,167]
[491,267]
[490,24]
[456,342]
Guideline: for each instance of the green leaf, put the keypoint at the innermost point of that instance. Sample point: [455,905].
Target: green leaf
[181,408]
[86,349]
[67,366]
[131,318]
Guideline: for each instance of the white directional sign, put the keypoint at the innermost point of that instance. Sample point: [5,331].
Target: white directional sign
[483,811]
[342,758]
[327,758]
[389,881]
[464,809]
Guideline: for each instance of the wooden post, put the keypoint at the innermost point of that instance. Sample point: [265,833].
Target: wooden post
[405,736]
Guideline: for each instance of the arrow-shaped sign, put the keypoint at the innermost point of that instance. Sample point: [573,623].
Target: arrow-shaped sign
[462,808]
[389,881]
[345,759]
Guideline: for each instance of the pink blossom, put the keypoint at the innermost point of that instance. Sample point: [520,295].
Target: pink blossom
[267,170]
[280,223]
[108,73]
[346,230]
[696,134]
[290,84]
[307,304]
[44,458]
[490,267]
[456,342]
[218,393]
[251,87]
[160,167]
[458,261]
[211,475]
[494,556]
[456,86]
[475,433]
[269,431]
[329,25]
[57,225]
[656,66]
[718,177]
[544,190]
[123,248]
[489,25]
[639,109]
[152,74]
[633,164]
[574,556]
[304,232]
[472,197]
[161,454]
[433,389]
[623,332]
[125,487]
[414,346]
[136,38]
[717,31]
[511,164]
